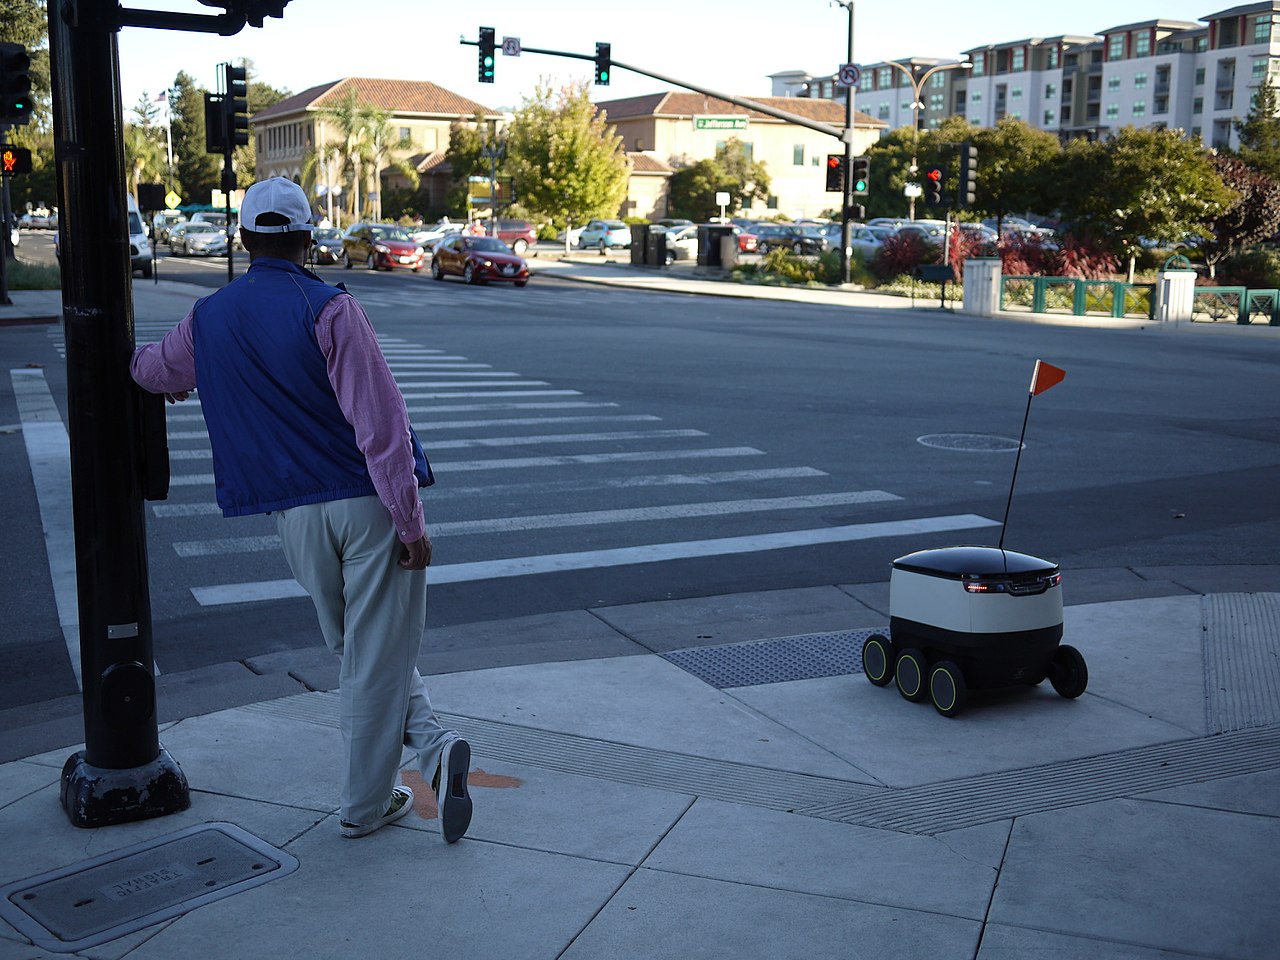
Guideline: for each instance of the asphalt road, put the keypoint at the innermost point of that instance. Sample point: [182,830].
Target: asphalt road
[598,446]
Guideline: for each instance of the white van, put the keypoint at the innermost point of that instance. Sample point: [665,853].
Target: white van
[139,242]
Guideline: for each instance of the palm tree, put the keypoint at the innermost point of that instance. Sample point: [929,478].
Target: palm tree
[144,157]
[382,138]
[348,119]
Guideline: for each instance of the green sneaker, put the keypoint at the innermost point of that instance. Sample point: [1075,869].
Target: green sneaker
[401,803]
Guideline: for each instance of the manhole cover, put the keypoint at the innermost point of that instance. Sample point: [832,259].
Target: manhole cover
[969,442]
[89,903]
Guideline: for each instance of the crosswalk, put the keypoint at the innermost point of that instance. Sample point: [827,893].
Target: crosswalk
[522,462]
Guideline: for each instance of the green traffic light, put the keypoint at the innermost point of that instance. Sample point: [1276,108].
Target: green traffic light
[604,76]
[488,61]
[859,185]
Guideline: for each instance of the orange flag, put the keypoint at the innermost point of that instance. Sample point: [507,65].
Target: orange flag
[1046,375]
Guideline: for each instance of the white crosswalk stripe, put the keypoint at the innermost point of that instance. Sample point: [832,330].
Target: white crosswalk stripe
[459,403]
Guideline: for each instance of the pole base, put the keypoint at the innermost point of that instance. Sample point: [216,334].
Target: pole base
[98,797]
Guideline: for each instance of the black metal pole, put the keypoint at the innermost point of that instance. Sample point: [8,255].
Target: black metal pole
[1016,460]
[123,773]
[846,194]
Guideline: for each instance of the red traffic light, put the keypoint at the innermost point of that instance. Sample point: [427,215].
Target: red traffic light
[934,174]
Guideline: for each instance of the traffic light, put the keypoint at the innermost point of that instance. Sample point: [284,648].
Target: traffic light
[835,173]
[968,186]
[15,160]
[934,186]
[860,176]
[486,54]
[15,84]
[235,106]
[602,64]
[215,124]
[253,11]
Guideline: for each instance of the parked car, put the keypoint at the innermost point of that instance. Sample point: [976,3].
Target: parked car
[933,231]
[673,223]
[517,234]
[15,235]
[198,239]
[326,246]
[682,243]
[478,260]
[748,242]
[139,242]
[605,234]
[381,246]
[426,236]
[799,240]
[163,222]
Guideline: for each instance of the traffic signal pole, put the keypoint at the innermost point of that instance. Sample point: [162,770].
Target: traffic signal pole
[846,197]
[123,773]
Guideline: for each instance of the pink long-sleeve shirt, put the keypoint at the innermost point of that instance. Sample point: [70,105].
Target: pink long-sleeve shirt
[367,394]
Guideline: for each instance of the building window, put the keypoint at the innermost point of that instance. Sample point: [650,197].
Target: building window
[939,79]
[1202,44]
[1197,105]
[405,133]
[1262,29]
[1015,93]
[1199,76]
[797,155]
[1161,105]
[1019,59]
[814,160]
[976,121]
[1142,44]
[1050,91]
[1050,118]
[937,101]
[1113,111]
[1260,67]
[1053,58]
[1113,84]
[975,97]
[979,64]
[1140,108]
[864,83]
[1139,81]
[1115,46]
[883,78]
[883,112]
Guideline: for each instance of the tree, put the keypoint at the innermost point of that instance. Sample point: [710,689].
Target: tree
[383,139]
[352,143]
[1014,160]
[198,172]
[1254,216]
[566,162]
[1139,184]
[691,191]
[145,159]
[1259,133]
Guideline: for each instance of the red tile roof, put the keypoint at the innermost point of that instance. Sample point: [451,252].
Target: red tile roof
[397,96]
[681,104]
[647,163]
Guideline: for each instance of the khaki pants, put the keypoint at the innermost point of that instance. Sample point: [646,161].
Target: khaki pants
[372,614]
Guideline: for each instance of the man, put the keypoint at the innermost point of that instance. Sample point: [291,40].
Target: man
[306,423]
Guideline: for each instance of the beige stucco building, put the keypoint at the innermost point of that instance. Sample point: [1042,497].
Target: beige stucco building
[665,131]
[289,133]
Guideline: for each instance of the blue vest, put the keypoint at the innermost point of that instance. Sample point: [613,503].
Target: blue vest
[279,437]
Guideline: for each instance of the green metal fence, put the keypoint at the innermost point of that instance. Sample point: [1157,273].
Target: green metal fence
[1079,297]
[1236,305]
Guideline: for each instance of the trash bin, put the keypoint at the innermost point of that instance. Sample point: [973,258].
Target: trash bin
[709,243]
[655,251]
[639,243]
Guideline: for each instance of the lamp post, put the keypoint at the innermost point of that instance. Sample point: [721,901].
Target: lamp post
[917,104]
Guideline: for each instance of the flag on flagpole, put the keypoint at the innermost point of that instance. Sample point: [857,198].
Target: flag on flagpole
[1046,375]
[162,96]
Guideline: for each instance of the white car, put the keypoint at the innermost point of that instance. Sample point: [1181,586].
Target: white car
[682,244]
[428,236]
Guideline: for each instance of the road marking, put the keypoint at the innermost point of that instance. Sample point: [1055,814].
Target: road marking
[163,510]
[491,393]
[450,385]
[543,405]
[220,594]
[532,421]
[518,463]
[535,439]
[49,453]
[460,373]
[222,546]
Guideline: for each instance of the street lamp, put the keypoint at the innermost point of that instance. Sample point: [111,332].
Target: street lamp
[917,104]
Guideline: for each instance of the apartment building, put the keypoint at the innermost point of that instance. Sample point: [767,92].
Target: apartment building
[1199,77]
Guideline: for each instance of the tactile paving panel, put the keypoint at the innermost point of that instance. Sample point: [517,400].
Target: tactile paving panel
[754,662]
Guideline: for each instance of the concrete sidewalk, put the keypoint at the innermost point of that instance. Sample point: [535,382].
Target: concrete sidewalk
[754,799]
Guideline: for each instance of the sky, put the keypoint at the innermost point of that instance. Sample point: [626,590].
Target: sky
[729,46]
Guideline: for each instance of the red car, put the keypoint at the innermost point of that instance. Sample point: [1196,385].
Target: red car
[478,260]
[517,234]
[747,242]
[380,246]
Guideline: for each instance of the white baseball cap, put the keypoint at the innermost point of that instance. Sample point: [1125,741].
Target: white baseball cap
[279,196]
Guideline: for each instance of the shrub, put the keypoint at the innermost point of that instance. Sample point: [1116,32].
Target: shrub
[1030,255]
[966,245]
[900,254]
[1080,258]
[32,276]
[1258,269]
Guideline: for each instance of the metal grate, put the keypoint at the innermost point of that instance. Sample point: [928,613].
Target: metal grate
[89,903]
[755,662]
[1242,660]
